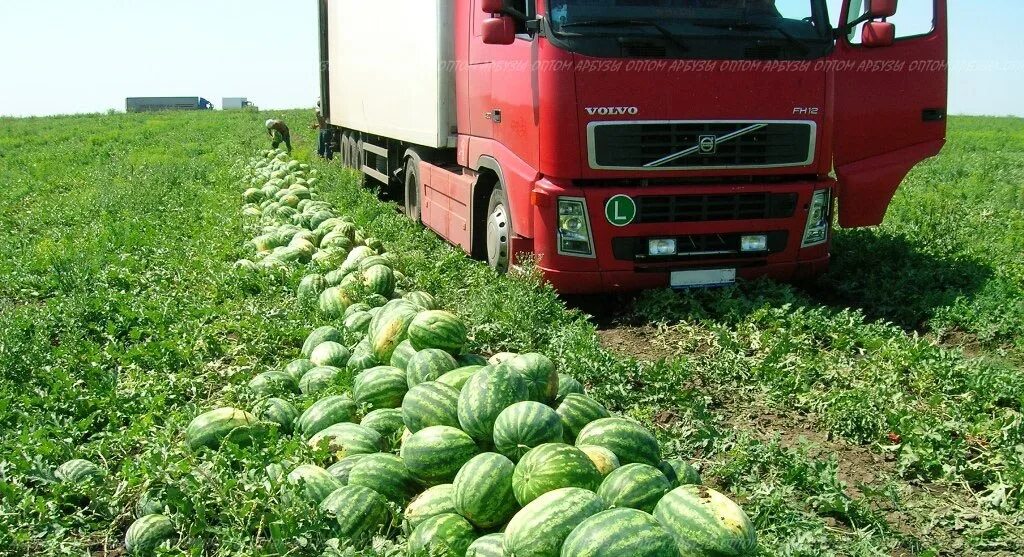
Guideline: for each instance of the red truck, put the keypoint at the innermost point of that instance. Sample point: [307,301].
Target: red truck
[631,144]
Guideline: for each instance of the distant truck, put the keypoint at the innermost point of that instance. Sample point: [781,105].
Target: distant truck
[235,103]
[153,104]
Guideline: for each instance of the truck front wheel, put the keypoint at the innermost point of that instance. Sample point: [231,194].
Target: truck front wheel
[499,233]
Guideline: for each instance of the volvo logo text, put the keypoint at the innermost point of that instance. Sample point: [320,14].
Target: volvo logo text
[708,144]
[612,110]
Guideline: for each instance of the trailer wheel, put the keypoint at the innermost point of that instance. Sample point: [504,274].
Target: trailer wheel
[499,232]
[359,155]
[346,149]
[412,186]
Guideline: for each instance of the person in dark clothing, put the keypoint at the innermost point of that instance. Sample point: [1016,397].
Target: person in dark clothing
[279,133]
[323,146]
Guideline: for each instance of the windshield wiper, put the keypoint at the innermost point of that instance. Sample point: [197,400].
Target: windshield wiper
[751,26]
[629,23]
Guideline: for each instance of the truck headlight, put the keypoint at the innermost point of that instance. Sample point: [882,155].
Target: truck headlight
[574,228]
[754,243]
[661,247]
[818,219]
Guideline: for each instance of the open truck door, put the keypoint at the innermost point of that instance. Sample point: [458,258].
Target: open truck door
[890,100]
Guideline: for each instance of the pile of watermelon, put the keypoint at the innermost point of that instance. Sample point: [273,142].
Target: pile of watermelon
[453,453]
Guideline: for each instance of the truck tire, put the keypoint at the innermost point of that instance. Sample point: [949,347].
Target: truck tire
[412,186]
[346,150]
[499,232]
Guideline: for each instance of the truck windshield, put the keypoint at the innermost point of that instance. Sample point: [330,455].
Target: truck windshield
[798,28]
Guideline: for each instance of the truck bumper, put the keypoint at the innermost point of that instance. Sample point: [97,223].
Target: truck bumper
[620,262]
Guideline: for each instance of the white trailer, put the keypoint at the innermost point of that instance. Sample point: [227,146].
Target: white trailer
[234,103]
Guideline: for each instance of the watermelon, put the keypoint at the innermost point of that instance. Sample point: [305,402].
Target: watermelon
[315,482]
[428,365]
[319,335]
[360,511]
[634,486]
[437,329]
[334,279]
[362,359]
[436,500]
[297,368]
[375,301]
[603,459]
[379,279]
[501,357]
[147,533]
[483,491]
[620,533]
[679,472]
[435,454]
[444,535]
[471,360]
[358,322]
[343,467]
[330,353]
[348,439]
[335,300]
[490,391]
[386,474]
[553,466]
[77,470]
[429,404]
[372,261]
[385,421]
[253,195]
[211,428]
[539,372]
[271,383]
[389,328]
[490,545]
[151,502]
[422,299]
[457,378]
[380,387]
[630,441]
[318,379]
[326,412]
[567,385]
[356,308]
[576,411]
[523,426]
[278,411]
[403,352]
[705,522]
[540,528]
[310,288]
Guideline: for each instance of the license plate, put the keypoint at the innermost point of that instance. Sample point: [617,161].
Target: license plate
[703,278]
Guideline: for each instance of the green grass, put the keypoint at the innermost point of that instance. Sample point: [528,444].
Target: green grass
[120,320]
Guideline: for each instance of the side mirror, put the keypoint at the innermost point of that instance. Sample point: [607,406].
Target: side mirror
[881,9]
[499,30]
[878,34]
[492,6]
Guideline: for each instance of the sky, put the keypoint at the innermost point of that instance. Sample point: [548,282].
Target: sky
[72,56]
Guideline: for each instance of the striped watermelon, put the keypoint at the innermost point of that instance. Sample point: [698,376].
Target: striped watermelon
[429,404]
[705,522]
[435,454]
[386,474]
[77,470]
[553,466]
[428,365]
[297,368]
[523,426]
[542,526]
[389,327]
[620,533]
[346,439]
[147,533]
[422,299]
[358,322]
[634,486]
[501,357]
[490,545]
[360,511]
[457,378]
[319,335]
[278,411]
[630,441]
[566,386]
[310,288]
[490,391]
[679,472]
[444,535]
[436,500]
[471,360]
[318,379]
[356,308]
[335,300]
[334,278]
[437,329]
[380,387]
[576,411]
[152,501]
[362,359]
[605,460]
[539,372]
[403,352]
[343,467]
[270,383]
[314,482]
[330,353]
[211,428]
[483,491]
[326,412]
[379,279]
[387,422]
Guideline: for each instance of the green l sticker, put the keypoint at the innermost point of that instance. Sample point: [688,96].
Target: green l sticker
[620,210]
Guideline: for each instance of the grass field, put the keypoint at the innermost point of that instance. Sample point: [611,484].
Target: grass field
[876,412]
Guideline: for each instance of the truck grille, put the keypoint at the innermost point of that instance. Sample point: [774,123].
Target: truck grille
[700,145]
[696,247]
[719,207]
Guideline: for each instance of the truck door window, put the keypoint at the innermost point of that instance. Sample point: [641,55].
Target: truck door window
[914,18]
